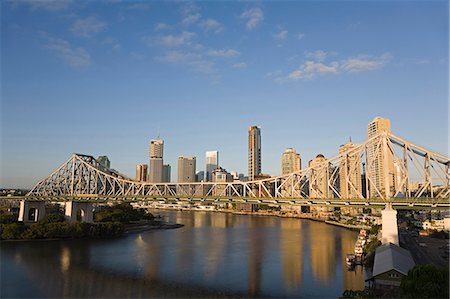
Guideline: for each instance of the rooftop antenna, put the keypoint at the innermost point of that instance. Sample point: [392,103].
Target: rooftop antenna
[350,139]
[157,131]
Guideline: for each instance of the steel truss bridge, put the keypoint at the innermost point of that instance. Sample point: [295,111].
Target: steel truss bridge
[386,163]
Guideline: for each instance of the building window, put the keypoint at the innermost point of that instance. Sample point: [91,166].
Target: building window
[393,275]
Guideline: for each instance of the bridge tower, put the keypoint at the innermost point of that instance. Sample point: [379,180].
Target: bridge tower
[79,211]
[31,211]
[389,225]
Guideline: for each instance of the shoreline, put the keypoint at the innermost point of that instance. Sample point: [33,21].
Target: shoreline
[305,217]
[129,228]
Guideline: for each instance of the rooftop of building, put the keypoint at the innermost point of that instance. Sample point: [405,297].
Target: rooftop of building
[392,257]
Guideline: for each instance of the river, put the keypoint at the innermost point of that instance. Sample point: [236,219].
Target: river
[213,255]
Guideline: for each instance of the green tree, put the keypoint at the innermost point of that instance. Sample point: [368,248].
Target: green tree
[426,281]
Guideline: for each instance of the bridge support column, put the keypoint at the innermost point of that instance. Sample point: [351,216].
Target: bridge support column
[31,211]
[79,211]
[389,226]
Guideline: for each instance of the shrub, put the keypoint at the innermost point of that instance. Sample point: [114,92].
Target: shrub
[426,281]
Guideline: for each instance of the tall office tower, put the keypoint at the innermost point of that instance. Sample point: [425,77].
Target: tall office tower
[318,180]
[141,172]
[290,161]
[380,164]
[186,169]
[254,152]
[104,162]
[166,173]
[156,160]
[212,162]
[350,171]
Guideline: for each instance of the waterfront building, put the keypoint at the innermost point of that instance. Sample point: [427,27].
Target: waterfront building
[104,162]
[166,173]
[254,152]
[290,161]
[186,169]
[212,162]
[156,152]
[141,172]
[380,164]
[350,185]
[318,180]
[220,175]
[391,264]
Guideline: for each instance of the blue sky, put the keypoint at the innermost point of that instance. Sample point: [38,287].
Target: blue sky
[101,77]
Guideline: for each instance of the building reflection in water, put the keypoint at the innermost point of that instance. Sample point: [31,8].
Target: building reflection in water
[323,251]
[291,250]
[214,253]
[255,256]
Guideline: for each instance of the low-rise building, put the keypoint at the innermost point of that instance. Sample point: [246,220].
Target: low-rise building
[391,264]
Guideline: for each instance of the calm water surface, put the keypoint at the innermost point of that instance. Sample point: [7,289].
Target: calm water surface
[214,255]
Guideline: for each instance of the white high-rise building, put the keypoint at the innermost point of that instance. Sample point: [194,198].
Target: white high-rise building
[254,152]
[318,180]
[141,172]
[380,164]
[350,184]
[212,162]
[290,161]
[156,152]
[186,169]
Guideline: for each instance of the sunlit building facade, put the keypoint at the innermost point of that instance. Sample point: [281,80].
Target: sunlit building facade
[141,172]
[254,152]
[350,184]
[186,169]
[318,180]
[156,152]
[290,161]
[380,164]
[212,162]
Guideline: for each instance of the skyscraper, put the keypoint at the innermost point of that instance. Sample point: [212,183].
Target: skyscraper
[318,180]
[380,164]
[290,161]
[254,152]
[350,171]
[186,169]
[166,173]
[212,162]
[104,162]
[156,152]
[141,172]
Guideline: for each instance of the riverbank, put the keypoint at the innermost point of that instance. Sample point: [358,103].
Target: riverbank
[307,216]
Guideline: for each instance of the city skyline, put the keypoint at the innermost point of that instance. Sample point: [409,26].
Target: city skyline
[145,68]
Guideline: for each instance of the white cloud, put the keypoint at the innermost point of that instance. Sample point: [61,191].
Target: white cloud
[161,26]
[211,25]
[311,69]
[365,63]
[177,40]
[76,57]
[240,65]
[191,19]
[300,35]
[318,55]
[88,26]
[253,16]
[316,66]
[223,53]
[282,35]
